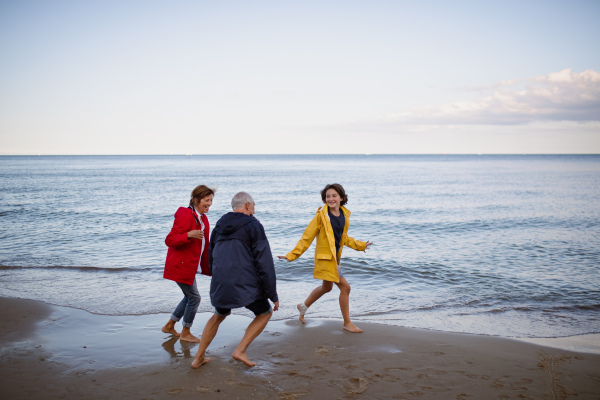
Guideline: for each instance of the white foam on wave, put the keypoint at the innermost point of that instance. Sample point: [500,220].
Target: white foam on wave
[589,343]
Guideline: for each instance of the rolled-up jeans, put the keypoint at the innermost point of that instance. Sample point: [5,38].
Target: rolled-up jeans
[188,306]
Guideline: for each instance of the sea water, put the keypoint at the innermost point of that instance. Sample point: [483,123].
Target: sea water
[492,244]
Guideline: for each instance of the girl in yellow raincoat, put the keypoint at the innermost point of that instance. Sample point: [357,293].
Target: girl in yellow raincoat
[330,227]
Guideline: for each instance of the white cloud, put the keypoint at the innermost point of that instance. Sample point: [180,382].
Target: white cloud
[558,96]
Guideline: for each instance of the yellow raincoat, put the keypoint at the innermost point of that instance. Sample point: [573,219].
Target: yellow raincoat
[326,261]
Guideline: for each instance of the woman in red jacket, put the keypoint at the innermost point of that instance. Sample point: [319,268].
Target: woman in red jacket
[188,250]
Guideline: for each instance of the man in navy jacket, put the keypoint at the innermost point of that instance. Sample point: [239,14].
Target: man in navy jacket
[243,275]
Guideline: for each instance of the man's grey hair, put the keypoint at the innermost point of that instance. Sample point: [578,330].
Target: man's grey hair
[240,200]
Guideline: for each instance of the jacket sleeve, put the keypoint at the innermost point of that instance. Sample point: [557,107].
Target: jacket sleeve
[265,268]
[211,246]
[355,244]
[308,236]
[178,234]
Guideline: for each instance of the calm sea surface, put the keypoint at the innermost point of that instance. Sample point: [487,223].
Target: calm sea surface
[499,245]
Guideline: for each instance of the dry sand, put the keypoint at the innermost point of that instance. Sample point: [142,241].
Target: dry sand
[51,352]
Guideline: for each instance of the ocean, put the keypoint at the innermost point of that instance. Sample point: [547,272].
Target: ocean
[504,245]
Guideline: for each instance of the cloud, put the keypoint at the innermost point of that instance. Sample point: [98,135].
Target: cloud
[559,96]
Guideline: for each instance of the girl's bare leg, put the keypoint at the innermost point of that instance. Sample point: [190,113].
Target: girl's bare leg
[344,287]
[315,295]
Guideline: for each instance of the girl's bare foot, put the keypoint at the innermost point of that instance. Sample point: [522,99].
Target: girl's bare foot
[189,338]
[350,327]
[171,330]
[239,356]
[198,361]
[302,309]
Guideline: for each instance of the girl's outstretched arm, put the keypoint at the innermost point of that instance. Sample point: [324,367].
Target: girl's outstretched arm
[356,244]
[304,243]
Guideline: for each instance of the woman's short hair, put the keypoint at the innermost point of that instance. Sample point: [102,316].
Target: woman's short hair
[339,189]
[199,193]
[240,199]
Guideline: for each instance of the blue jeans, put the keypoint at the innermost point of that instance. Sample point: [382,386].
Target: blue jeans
[188,306]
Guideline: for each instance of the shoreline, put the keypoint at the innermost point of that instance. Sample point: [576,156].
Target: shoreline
[51,352]
[583,342]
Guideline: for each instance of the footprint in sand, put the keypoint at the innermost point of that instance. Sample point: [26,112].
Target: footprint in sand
[357,385]
[203,389]
[322,351]
[174,391]
[497,383]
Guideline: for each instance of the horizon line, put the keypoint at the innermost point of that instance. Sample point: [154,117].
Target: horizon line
[297,154]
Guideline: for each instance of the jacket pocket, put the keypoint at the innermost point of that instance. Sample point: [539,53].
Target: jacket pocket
[328,256]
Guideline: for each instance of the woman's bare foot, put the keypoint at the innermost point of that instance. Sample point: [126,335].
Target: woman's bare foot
[186,335]
[189,338]
[198,361]
[350,327]
[239,356]
[170,329]
[301,317]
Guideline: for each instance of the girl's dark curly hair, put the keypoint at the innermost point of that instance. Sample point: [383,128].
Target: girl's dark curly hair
[339,189]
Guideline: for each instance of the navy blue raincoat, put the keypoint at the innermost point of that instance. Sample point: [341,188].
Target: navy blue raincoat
[241,262]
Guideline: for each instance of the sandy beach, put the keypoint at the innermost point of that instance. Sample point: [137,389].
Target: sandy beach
[51,352]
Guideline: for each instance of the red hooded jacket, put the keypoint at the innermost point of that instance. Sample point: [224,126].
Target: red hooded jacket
[183,255]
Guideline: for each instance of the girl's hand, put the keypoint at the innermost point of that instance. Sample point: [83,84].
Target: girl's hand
[282,257]
[368,244]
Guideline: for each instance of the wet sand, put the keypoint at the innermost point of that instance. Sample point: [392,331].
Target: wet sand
[51,352]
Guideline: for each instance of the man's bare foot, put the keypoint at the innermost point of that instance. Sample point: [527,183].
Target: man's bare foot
[168,329]
[198,361]
[189,338]
[350,327]
[239,356]
[301,317]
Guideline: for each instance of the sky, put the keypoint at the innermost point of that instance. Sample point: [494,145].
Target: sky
[299,77]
